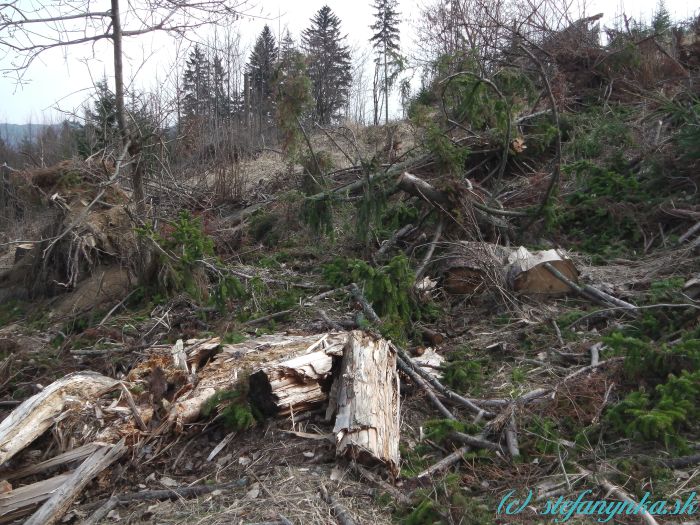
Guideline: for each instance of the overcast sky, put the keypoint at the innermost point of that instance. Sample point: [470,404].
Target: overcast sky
[61,81]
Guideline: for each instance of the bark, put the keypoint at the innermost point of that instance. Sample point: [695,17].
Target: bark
[367,420]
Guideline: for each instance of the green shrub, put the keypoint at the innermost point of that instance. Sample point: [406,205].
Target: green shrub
[233,407]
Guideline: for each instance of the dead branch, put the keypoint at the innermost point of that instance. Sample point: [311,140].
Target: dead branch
[444,463]
[339,511]
[476,441]
[429,253]
[57,505]
[554,180]
[589,292]
[366,307]
[165,494]
[449,394]
[102,511]
[383,485]
[420,382]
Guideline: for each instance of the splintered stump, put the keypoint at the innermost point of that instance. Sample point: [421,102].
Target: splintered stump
[293,385]
[367,402]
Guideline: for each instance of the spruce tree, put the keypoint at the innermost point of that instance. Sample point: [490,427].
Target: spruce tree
[101,126]
[385,41]
[197,84]
[261,67]
[221,104]
[329,65]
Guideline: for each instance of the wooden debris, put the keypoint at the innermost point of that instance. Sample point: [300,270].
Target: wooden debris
[36,415]
[339,511]
[23,500]
[225,370]
[292,385]
[527,274]
[57,505]
[367,419]
[473,267]
[444,463]
[77,454]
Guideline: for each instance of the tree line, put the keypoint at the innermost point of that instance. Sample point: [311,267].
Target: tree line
[284,84]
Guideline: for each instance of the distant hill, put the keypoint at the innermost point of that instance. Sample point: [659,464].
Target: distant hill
[13,134]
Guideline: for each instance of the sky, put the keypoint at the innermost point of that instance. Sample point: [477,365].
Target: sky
[61,81]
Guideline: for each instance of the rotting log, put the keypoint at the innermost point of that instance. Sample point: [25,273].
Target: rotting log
[293,385]
[37,414]
[367,418]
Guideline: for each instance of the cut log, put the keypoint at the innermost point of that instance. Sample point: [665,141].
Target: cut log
[23,500]
[292,386]
[57,505]
[473,267]
[367,419]
[527,273]
[36,415]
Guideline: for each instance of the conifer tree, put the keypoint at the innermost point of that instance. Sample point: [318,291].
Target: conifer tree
[385,41]
[197,84]
[221,104]
[261,67]
[102,128]
[329,65]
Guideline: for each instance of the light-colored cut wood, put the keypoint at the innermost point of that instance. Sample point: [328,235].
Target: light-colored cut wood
[367,419]
[21,501]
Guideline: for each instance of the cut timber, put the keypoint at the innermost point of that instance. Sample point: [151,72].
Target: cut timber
[291,386]
[527,273]
[473,267]
[23,500]
[57,505]
[367,419]
[36,415]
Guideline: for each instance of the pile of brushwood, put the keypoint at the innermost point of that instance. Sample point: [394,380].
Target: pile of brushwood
[510,304]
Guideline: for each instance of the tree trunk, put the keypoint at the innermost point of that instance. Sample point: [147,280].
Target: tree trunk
[386,89]
[367,420]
